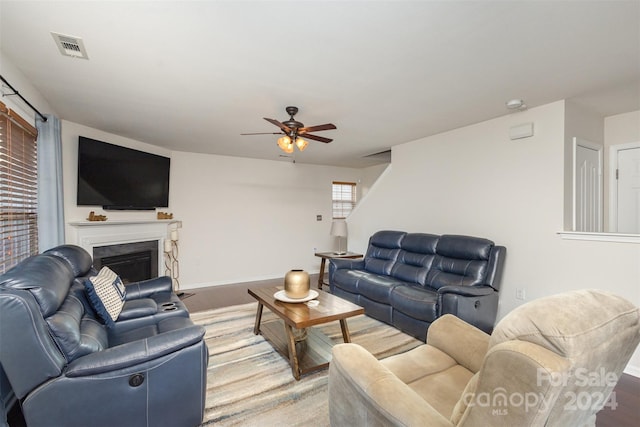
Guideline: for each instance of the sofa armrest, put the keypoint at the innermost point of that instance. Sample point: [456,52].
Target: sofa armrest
[145,288]
[346,263]
[136,352]
[476,343]
[364,392]
[467,291]
[477,305]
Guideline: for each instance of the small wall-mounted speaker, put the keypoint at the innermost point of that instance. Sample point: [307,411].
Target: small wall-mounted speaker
[524,130]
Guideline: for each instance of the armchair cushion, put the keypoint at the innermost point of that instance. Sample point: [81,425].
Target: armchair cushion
[540,356]
[106,293]
[355,373]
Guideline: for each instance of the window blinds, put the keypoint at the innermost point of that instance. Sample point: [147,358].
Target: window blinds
[18,189]
[344,198]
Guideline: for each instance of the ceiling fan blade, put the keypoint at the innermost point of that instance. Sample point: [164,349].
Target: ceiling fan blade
[280,125]
[263,133]
[318,128]
[316,138]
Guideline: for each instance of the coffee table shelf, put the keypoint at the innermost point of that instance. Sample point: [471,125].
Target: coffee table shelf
[314,352]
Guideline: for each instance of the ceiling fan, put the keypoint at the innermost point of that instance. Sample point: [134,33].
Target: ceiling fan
[293,132]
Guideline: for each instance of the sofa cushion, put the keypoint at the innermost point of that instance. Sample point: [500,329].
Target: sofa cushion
[383,250]
[377,288]
[106,293]
[46,277]
[460,261]
[456,272]
[421,243]
[78,259]
[464,247]
[415,301]
[415,258]
[75,331]
[348,279]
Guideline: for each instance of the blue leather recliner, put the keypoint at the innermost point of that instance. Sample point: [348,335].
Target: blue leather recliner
[67,368]
[408,280]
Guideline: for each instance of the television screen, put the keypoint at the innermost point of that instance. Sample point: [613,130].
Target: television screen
[116,177]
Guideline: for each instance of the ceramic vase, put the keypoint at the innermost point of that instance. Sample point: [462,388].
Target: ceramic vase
[296,284]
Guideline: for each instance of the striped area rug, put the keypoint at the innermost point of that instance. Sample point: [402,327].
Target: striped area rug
[250,384]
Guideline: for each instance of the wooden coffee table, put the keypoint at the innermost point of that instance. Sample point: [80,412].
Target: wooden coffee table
[313,352]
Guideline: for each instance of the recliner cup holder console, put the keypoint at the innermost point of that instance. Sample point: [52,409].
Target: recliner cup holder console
[169,306]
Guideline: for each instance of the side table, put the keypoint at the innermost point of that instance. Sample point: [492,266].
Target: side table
[329,255]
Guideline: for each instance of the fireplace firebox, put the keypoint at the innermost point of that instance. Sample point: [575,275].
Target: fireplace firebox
[133,262]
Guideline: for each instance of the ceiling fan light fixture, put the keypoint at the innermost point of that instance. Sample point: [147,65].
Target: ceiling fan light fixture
[285,144]
[291,128]
[301,143]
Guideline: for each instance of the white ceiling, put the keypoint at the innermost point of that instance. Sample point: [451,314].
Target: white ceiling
[193,75]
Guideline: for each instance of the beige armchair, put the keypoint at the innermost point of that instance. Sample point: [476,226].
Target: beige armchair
[551,362]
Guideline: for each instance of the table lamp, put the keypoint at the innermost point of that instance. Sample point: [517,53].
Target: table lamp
[339,229]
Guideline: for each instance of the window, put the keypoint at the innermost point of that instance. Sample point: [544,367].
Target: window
[18,189]
[344,198]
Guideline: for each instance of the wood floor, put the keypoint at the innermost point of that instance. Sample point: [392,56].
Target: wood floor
[627,391]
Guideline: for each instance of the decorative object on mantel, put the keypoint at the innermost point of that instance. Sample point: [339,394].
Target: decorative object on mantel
[93,217]
[165,215]
[171,264]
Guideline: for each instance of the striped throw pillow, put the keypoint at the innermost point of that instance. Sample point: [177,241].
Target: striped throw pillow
[106,293]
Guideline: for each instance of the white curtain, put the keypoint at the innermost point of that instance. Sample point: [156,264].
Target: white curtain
[50,196]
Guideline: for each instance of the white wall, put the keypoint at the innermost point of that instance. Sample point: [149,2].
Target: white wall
[476,181]
[369,177]
[243,219]
[622,128]
[26,89]
[247,219]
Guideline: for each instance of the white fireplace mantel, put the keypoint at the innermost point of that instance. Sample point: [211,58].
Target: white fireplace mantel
[90,234]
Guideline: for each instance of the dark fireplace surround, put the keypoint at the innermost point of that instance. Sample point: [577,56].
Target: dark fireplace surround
[133,262]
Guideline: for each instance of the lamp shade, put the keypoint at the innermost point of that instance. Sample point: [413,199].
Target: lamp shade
[285,144]
[339,228]
[301,143]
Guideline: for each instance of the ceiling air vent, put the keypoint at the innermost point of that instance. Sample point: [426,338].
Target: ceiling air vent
[70,45]
[384,156]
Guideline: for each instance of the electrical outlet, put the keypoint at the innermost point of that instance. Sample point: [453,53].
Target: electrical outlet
[520,294]
[318,217]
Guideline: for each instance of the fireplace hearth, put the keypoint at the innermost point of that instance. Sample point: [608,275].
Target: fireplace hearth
[133,262]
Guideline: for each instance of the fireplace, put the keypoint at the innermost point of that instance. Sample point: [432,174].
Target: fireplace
[100,235]
[133,262]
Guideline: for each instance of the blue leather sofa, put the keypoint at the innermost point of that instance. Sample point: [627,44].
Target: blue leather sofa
[68,369]
[408,280]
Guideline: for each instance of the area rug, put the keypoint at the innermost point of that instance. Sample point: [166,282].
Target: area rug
[250,384]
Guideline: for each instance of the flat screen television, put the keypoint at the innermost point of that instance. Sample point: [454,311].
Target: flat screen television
[116,177]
